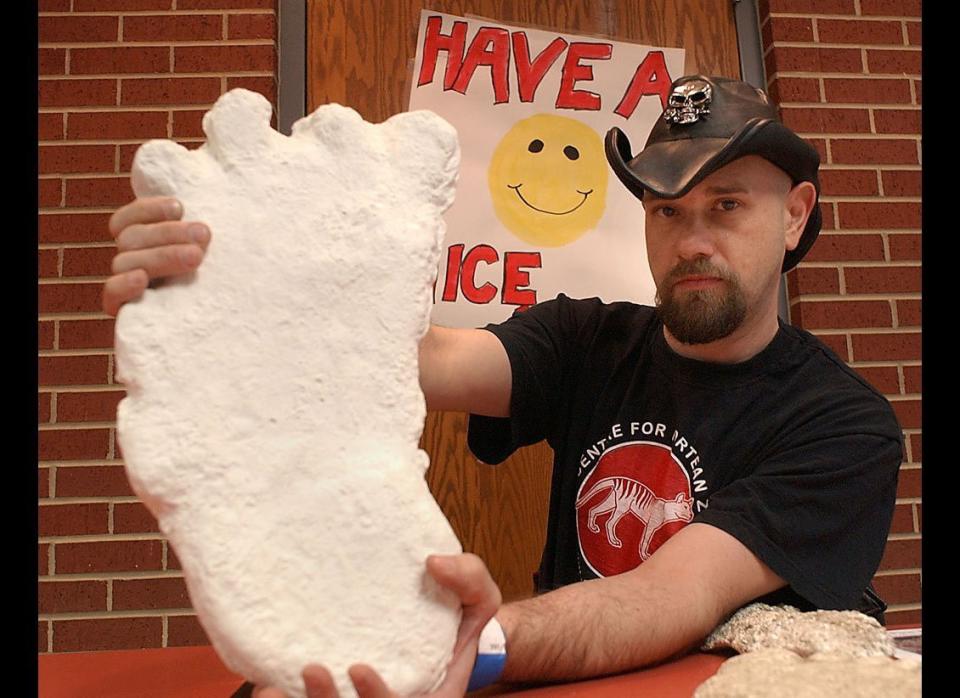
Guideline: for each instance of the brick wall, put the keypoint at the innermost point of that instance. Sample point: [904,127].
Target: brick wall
[847,76]
[113,73]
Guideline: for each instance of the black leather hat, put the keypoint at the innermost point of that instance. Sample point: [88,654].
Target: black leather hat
[709,122]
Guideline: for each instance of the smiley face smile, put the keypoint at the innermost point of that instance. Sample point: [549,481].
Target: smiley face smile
[585,194]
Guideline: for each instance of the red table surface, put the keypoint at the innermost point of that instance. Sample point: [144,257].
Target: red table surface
[197,672]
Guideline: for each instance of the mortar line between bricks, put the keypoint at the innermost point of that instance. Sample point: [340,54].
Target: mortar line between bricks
[864,62]
[49,636]
[885,239]
[913,93]
[73,426]
[88,500]
[103,538]
[163,556]
[849,47]
[900,571]
[74,352]
[916,518]
[859,199]
[102,615]
[81,389]
[816,32]
[904,536]
[74,316]
[847,18]
[177,13]
[137,108]
[109,594]
[908,500]
[904,34]
[164,631]
[74,245]
[53,408]
[892,608]
[908,106]
[51,560]
[112,443]
[72,280]
[110,520]
[111,576]
[895,318]
[209,43]
[911,466]
[908,397]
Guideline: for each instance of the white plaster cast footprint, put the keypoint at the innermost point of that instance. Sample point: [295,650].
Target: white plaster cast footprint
[273,410]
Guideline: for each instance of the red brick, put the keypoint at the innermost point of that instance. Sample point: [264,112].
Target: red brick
[837,344]
[886,347]
[909,483]
[914,33]
[826,213]
[48,260]
[77,29]
[813,7]
[898,588]
[879,215]
[120,5]
[88,407]
[120,59]
[49,192]
[46,333]
[117,125]
[73,519]
[867,90]
[905,246]
[820,315]
[805,120]
[173,562]
[72,444]
[910,617]
[188,124]
[902,182]
[812,280]
[795,90]
[173,91]
[919,516]
[136,594]
[77,93]
[106,634]
[59,159]
[54,6]
[43,474]
[93,481]
[43,558]
[898,121]
[888,279]
[900,554]
[49,127]
[52,61]
[916,450]
[74,227]
[252,26]
[791,29]
[226,4]
[43,642]
[213,59]
[108,556]
[909,313]
[44,407]
[185,631]
[69,298]
[858,31]
[846,248]
[86,334]
[264,85]
[133,517]
[820,145]
[902,522]
[912,379]
[899,62]
[909,413]
[869,151]
[72,596]
[102,191]
[849,183]
[814,59]
[890,8]
[88,261]
[918,88]
[173,28]
[72,370]
[883,378]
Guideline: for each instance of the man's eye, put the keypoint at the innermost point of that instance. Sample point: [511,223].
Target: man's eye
[667,211]
[729,204]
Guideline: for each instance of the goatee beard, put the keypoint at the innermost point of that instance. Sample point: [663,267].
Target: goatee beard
[705,315]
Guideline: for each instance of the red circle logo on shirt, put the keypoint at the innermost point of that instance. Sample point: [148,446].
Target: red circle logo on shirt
[637,496]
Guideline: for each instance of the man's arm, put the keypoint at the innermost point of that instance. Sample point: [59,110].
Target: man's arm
[666,605]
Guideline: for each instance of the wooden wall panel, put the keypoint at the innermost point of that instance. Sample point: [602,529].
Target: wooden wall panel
[360,53]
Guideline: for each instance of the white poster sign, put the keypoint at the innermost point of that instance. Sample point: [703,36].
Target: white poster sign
[538,210]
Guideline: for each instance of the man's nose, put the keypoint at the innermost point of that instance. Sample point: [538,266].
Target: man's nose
[696,238]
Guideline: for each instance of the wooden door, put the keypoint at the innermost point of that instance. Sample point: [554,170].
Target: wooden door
[358,54]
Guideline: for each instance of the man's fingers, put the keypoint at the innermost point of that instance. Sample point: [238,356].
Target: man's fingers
[141,236]
[123,288]
[368,682]
[267,692]
[319,682]
[159,262]
[147,210]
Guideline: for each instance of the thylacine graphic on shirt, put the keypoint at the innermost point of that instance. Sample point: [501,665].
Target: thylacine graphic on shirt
[624,495]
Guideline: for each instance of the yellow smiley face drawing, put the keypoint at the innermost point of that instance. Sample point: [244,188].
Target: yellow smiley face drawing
[548,180]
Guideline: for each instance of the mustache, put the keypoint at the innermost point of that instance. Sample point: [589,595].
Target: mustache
[701,266]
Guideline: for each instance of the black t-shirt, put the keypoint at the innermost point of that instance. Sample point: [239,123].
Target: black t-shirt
[790,451]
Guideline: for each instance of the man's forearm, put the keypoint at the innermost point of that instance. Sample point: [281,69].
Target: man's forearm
[666,605]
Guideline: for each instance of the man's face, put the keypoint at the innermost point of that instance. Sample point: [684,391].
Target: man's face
[716,252]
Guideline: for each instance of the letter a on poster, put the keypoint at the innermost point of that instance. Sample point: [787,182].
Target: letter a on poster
[538,211]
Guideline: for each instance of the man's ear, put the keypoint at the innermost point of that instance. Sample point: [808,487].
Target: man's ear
[797,208]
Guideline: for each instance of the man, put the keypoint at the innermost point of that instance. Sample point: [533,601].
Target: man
[706,455]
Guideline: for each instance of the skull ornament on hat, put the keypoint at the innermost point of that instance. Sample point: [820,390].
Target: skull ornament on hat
[709,122]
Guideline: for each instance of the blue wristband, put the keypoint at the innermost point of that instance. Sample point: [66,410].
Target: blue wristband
[491,656]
